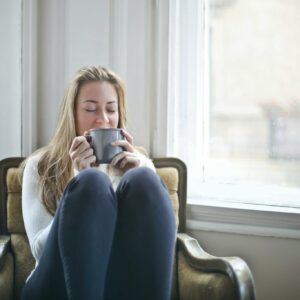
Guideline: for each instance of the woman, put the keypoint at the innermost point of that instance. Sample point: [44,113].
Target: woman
[96,232]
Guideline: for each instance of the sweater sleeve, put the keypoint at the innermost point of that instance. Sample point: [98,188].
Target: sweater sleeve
[145,161]
[37,220]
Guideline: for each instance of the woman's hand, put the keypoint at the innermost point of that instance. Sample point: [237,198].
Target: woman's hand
[81,153]
[127,159]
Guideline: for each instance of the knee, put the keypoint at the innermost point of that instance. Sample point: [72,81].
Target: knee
[92,179]
[88,197]
[142,177]
[142,184]
[89,185]
[142,192]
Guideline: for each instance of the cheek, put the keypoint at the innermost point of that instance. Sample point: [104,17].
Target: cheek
[83,123]
[114,120]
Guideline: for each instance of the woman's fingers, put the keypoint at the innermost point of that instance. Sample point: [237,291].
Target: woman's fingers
[91,159]
[80,147]
[129,161]
[127,136]
[86,153]
[76,142]
[128,158]
[125,159]
[127,144]
[81,164]
[124,144]
[117,158]
[81,153]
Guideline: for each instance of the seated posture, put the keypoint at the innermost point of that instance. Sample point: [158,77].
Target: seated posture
[96,231]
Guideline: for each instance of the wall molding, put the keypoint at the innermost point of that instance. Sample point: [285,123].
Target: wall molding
[118,37]
[29,77]
[43,68]
[161,77]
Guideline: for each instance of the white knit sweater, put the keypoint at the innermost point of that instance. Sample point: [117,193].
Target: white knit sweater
[37,220]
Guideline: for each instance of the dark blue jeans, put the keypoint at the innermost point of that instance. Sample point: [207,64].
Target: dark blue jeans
[108,245]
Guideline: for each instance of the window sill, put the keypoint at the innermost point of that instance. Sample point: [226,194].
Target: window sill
[266,197]
[235,213]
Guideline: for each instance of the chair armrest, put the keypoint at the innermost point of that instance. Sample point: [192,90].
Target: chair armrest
[238,277]
[6,269]
[4,243]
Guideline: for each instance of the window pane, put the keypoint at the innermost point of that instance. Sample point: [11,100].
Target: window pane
[254,91]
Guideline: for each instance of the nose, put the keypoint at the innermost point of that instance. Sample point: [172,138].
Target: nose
[102,120]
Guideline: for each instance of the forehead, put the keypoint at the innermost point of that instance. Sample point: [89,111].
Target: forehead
[98,91]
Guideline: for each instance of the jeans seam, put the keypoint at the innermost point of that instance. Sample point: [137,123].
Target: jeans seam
[63,258]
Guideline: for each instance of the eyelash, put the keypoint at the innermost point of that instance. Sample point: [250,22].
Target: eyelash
[94,110]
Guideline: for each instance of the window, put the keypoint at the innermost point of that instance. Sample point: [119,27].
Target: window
[234,99]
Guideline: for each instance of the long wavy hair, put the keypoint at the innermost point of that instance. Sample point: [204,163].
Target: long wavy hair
[55,166]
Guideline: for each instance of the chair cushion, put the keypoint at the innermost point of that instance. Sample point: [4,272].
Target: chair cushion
[170,178]
[15,222]
[14,180]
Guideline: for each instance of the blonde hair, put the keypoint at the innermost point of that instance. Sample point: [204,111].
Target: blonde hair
[55,165]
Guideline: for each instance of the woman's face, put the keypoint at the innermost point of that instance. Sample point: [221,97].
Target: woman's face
[96,107]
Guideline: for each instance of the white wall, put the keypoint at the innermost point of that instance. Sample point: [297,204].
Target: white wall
[72,34]
[10,78]
[274,262]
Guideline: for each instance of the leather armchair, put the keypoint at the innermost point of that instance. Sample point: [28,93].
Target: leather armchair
[196,274]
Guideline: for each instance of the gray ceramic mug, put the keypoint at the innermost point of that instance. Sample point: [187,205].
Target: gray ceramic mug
[101,139]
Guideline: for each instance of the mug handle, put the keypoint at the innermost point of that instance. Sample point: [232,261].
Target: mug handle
[88,138]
